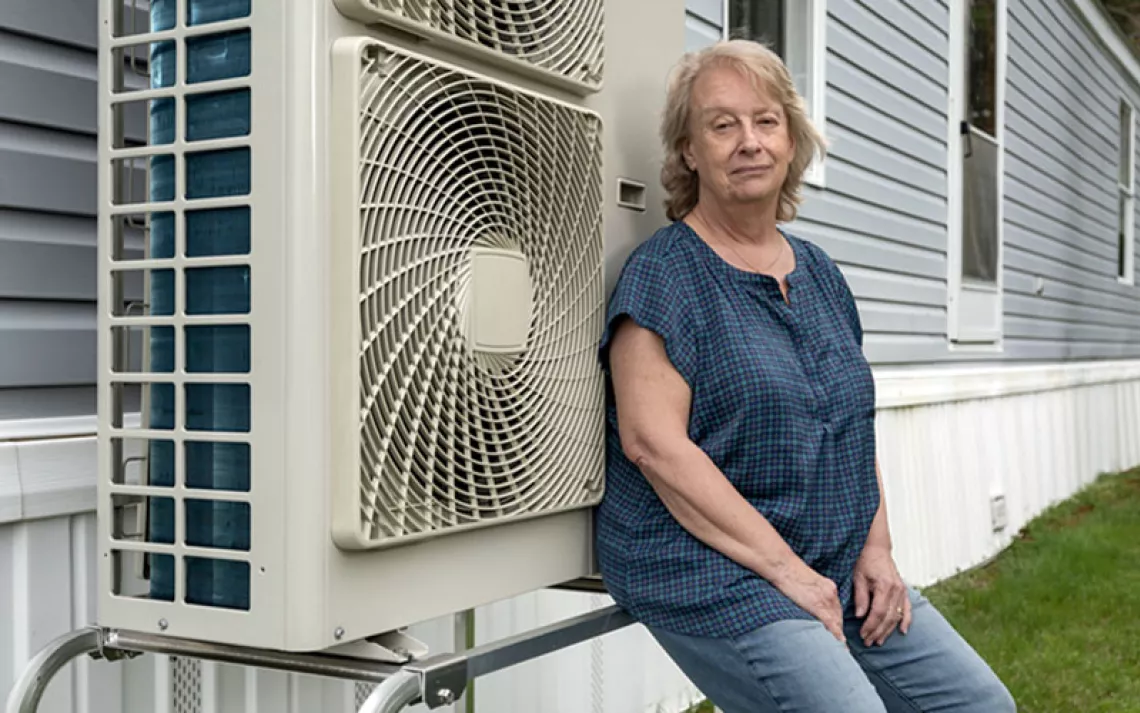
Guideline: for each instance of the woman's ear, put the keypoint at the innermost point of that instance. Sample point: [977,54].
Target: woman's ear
[687,156]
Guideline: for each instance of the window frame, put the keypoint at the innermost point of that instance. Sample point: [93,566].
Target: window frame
[974,311]
[816,94]
[1126,197]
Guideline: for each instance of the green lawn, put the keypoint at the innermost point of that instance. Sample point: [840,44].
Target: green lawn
[1057,614]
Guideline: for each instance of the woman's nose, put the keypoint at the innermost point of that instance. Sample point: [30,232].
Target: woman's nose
[750,140]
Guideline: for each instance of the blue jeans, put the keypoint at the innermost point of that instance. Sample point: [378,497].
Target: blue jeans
[799,666]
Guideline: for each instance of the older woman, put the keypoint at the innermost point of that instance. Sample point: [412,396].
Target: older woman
[743,522]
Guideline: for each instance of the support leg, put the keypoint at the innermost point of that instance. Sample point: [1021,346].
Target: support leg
[393,694]
[25,695]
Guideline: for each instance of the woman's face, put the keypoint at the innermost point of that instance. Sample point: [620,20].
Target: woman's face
[739,143]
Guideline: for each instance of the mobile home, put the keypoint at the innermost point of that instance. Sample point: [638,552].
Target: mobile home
[979,195]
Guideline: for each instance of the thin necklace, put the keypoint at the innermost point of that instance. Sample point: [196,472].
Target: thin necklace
[779,254]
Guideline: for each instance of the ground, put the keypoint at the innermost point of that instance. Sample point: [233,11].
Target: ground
[1057,615]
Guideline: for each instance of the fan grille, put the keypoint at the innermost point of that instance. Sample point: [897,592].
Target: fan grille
[564,37]
[450,164]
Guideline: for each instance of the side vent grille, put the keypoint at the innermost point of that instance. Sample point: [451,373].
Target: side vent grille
[179,269]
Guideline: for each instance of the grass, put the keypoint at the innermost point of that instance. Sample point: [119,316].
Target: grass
[1057,614]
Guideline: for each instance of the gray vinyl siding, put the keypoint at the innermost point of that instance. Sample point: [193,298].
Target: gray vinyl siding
[1061,198]
[703,22]
[47,208]
[882,213]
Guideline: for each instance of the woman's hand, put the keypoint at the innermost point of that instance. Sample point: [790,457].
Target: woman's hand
[881,595]
[815,594]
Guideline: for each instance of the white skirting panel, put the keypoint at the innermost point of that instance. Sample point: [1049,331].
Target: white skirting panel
[949,440]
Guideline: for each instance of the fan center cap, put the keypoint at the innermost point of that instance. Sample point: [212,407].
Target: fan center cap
[498,305]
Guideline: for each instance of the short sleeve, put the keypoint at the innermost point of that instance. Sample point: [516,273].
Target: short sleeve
[848,303]
[650,294]
[852,309]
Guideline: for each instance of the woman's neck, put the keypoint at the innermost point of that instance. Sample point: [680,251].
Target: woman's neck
[743,223]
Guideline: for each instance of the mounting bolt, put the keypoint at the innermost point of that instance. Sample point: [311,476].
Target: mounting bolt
[339,633]
[445,696]
[162,624]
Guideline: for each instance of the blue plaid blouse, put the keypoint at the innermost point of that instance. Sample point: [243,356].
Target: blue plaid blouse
[783,402]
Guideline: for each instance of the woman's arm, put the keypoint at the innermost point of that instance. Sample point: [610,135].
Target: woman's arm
[880,534]
[653,402]
[880,592]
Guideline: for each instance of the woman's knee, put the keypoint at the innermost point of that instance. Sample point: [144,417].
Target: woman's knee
[987,691]
[993,697]
[934,667]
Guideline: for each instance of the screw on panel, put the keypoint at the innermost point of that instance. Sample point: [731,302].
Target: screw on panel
[445,696]
[339,633]
[162,624]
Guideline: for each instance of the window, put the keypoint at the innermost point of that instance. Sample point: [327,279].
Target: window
[795,30]
[975,169]
[1126,217]
[980,228]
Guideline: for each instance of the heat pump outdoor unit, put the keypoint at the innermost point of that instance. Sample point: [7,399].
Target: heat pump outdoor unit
[353,263]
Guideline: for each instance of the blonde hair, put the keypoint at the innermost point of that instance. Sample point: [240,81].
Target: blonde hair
[766,70]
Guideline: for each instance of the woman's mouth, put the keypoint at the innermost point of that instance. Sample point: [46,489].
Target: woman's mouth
[752,170]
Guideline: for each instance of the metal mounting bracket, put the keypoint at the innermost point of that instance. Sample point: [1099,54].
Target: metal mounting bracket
[394,647]
[437,680]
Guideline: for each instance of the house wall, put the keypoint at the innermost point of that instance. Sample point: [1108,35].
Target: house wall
[47,209]
[882,213]
[703,23]
[1061,196]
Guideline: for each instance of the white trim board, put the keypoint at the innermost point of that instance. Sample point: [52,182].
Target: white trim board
[904,388]
[63,427]
[48,466]
[35,428]
[47,478]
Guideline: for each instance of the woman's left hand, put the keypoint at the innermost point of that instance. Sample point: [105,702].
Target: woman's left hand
[880,595]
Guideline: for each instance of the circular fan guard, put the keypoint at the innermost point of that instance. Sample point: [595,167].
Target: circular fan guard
[451,437]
